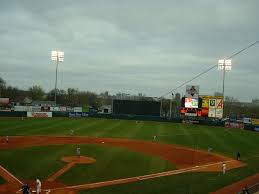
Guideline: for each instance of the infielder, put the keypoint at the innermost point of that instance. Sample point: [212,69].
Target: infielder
[224,168]
[7,139]
[38,186]
[78,153]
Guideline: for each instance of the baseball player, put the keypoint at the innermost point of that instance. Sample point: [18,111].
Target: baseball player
[38,186]
[25,189]
[238,156]
[224,168]
[7,139]
[154,137]
[78,152]
[71,132]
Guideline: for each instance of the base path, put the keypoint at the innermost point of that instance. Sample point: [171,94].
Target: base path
[72,161]
[185,159]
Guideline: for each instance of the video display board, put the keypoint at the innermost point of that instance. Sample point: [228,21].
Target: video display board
[191,103]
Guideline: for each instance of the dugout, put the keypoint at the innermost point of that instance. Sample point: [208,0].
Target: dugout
[136,107]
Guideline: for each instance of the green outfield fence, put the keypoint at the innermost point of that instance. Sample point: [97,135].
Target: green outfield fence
[193,120]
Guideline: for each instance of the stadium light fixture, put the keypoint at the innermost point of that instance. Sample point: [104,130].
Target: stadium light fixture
[224,65]
[57,56]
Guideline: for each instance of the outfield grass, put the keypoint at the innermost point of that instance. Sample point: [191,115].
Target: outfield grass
[224,141]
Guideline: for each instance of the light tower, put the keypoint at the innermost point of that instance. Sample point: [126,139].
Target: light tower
[224,65]
[57,56]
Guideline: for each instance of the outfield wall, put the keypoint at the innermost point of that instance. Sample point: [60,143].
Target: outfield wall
[209,122]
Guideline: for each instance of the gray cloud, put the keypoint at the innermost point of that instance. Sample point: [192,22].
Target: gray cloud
[131,46]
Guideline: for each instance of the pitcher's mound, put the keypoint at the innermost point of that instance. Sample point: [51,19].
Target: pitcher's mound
[78,160]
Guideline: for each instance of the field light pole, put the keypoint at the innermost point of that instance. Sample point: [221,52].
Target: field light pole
[224,65]
[161,107]
[57,56]
[171,101]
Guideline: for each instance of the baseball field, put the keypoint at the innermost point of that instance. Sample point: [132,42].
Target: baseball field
[122,156]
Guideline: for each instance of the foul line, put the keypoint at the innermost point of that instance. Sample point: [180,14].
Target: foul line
[16,179]
[139,178]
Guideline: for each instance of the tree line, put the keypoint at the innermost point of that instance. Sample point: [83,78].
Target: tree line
[75,97]
[69,97]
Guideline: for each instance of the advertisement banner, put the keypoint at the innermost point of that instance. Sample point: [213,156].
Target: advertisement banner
[212,106]
[238,125]
[255,121]
[191,114]
[56,109]
[39,114]
[78,109]
[85,114]
[63,109]
[19,108]
[219,103]
[36,108]
[205,101]
[4,100]
[192,91]
[23,108]
[219,113]
[75,114]
[70,109]
[212,112]
[212,103]
[78,114]
[45,108]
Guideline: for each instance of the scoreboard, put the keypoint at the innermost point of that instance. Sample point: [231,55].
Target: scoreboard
[212,106]
[134,107]
[204,106]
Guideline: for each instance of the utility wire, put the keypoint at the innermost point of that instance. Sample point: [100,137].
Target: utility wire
[210,68]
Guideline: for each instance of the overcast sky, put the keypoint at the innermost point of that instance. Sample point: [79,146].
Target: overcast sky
[132,46]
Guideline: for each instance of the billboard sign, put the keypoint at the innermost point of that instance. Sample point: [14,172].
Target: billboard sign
[192,91]
[78,109]
[39,114]
[23,108]
[55,109]
[219,113]
[255,122]
[45,108]
[212,106]
[4,100]
[36,108]
[78,114]
[212,112]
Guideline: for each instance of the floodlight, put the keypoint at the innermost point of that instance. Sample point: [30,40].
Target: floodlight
[224,64]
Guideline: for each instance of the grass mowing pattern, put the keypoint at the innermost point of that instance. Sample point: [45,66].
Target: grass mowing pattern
[224,141]
[111,163]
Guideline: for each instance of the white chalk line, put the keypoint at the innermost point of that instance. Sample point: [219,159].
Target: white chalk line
[11,175]
[34,191]
[144,177]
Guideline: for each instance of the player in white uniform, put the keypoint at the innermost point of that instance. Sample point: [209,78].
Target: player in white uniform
[224,168]
[38,186]
[78,153]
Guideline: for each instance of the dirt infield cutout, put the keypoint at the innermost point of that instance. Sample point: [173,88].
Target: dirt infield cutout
[185,159]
